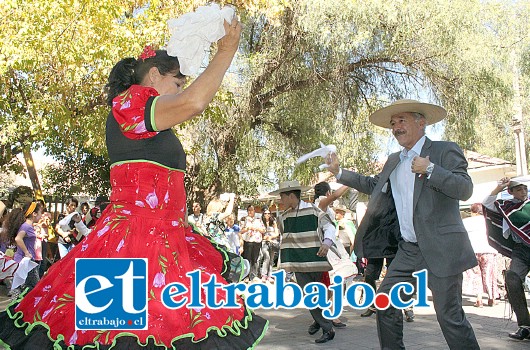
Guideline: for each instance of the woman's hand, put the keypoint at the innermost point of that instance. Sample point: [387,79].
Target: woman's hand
[230,41]
[28,255]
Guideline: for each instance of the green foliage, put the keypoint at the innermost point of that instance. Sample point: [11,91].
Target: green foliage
[307,71]
[7,181]
[79,172]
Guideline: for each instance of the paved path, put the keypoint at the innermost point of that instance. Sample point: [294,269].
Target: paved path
[288,329]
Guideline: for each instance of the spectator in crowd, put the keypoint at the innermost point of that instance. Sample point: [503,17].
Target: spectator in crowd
[41,233]
[19,225]
[85,208]
[93,216]
[232,233]
[486,257]
[216,212]
[252,232]
[341,263]
[197,219]
[6,274]
[48,235]
[95,212]
[70,229]
[515,222]
[270,245]
[20,196]
[345,228]
[4,241]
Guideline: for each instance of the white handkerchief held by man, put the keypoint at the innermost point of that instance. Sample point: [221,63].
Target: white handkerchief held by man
[194,32]
[323,152]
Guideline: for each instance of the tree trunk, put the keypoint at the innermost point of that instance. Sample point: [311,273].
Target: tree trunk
[32,172]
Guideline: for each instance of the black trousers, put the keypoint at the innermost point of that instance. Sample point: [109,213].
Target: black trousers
[373,270]
[515,277]
[303,278]
[447,299]
[251,252]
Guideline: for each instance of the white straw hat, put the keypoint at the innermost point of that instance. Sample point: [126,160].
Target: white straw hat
[432,113]
[289,186]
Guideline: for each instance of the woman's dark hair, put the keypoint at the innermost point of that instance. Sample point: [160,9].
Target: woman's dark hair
[321,189]
[130,71]
[14,220]
[270,219]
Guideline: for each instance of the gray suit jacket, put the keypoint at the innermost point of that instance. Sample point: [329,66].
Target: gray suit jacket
[441,235]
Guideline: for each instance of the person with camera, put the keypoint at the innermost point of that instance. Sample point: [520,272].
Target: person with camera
[70,228]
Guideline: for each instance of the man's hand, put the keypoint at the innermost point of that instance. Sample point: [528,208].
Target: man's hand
[419,165]
[323,251]
[501,185]
[332,161]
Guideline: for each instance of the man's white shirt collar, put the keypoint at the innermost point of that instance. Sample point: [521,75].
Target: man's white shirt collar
[416,150]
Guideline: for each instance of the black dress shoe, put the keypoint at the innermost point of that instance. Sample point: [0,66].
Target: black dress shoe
[326,336]
[522,333]
[409,315]
[338,324]
[313,328]
[369,312]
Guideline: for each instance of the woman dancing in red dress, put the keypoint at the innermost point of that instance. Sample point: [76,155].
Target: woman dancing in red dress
[145,219]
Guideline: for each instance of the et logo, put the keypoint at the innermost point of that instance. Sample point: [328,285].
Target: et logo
[110,294]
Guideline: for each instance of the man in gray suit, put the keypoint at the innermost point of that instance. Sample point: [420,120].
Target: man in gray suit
[426,180]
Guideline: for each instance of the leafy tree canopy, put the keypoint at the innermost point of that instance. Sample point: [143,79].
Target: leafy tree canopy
[307,71]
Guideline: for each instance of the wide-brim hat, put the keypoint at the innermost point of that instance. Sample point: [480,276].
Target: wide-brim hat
[289,186]
[432,113]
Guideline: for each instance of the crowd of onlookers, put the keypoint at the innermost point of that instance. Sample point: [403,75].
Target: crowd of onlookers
[253,234]
[32,237]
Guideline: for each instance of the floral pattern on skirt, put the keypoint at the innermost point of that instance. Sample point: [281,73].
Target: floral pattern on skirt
[144,220]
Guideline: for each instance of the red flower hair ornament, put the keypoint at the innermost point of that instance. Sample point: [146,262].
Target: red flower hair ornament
[148,52]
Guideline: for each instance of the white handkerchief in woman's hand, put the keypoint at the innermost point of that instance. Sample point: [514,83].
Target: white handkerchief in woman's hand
[194,32]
